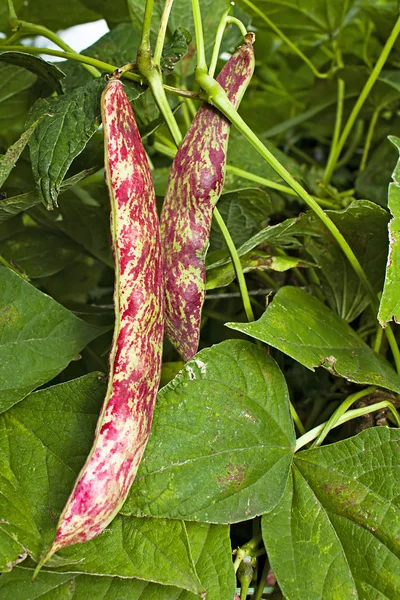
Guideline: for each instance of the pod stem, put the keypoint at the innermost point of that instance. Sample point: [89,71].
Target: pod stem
[162,31]
[225,20]
[151,71]
[237,265]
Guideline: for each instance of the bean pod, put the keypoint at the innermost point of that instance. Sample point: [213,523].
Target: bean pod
[195,184]
[135,357]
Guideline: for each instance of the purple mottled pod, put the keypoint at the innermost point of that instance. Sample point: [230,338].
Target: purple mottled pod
[135,356]
[194,187]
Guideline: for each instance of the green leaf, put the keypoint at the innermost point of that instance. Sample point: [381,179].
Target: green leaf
[221,441]
[389,308]
[18,532]
[364,226]
[153,549]
[59,138]
[60,15]
[175,49]
[38,338]
[38,253]
[338,521]
[305,329]
[49,72]
[211,551]
[253,261]
[8,160]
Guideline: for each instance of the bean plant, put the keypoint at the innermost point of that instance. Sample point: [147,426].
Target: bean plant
[272,465]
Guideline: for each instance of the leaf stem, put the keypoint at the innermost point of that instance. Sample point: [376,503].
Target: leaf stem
[338,125]
[162,31]
[285,39]
[198,27]
[348,416]
[362,97]
[369,138]
[341,409]
[297,420]
[23,28]
[261,584]
[236,265]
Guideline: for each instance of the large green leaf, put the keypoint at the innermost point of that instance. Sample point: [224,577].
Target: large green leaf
[56,15]
[221,442]
[390,302]
[38,338]
[338,521]
[211,552]
[302,327]
[45,440]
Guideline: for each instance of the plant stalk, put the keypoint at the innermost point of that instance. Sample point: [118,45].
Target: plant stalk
[348,416]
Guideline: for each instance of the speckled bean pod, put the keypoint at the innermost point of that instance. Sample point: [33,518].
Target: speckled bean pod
[135,357]
[195,184]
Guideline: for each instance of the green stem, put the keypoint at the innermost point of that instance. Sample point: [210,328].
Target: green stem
[355,139]
[249,176]
[287,41]
[162,31]
[378,339]
[348,416]
[261,584]
[217,42]
[344,406]
[146,27]
[85,60]
[338,125]
[155,82]
[12,15]
[236,265]
[25,29]
[152,72]
[296,419]
[369,138]
[363,96]
[198,27]
[224,21]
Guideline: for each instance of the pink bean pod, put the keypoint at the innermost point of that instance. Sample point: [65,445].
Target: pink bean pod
[195,184]
[135,358]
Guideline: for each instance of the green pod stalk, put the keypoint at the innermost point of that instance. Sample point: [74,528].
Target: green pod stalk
[135,357]
[195,184]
